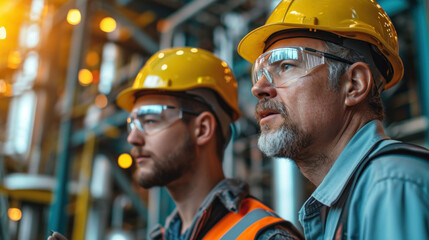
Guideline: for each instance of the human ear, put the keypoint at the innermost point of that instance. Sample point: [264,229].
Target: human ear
[205,127]
[358,83]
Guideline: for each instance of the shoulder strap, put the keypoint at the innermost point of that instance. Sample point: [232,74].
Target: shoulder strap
[394,148]
[252,216]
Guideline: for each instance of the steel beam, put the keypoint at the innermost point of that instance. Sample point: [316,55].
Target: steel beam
[421,32]
[144,40]
[83,198]
[393,7]
[58,217]
[125,185]
[117,119]
[4,226]
[179,17]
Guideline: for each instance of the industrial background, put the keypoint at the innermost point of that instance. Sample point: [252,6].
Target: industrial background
[63,150]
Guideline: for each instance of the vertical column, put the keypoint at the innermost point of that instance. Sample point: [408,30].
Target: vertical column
[4,227]
[83,198]
[288,189]
[420,12]
[58,218]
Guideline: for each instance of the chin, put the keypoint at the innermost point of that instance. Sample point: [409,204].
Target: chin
[146,178]
[268,128]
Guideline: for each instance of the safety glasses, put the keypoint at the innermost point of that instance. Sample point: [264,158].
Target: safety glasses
[152,118]
[283,65]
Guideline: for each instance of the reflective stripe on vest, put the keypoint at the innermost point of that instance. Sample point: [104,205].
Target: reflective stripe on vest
[252,217]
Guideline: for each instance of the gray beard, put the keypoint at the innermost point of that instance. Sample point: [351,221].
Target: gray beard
[286,141]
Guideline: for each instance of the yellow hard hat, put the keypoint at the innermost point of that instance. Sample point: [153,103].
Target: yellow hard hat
[363,20]
[182,69]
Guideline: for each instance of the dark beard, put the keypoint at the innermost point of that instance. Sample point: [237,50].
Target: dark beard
[288,140]
[175,165]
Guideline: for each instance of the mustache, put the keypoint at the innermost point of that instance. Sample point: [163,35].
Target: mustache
[138,151]
[265,104]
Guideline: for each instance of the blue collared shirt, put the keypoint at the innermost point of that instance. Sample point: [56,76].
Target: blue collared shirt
[390,201]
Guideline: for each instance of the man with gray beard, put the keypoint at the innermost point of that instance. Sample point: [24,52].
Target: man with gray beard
[319,68]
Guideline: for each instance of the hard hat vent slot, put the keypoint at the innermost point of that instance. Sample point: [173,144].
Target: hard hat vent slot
[310,21]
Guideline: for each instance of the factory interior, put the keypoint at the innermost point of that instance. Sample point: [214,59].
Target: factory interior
[64,158]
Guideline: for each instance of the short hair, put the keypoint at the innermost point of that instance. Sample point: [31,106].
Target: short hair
[337,69]
[185,101]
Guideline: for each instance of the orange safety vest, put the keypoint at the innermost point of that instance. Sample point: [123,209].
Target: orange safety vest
[244,225]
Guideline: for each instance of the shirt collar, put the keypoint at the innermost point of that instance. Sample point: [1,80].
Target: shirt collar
[230,193]
[329,191]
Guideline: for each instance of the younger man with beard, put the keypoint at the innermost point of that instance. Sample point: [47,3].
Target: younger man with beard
[182,104]
[319,70]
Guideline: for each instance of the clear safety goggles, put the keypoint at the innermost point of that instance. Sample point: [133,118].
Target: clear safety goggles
[283,65]
[152,118]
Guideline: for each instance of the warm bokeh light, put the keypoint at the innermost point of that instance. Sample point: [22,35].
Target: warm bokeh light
[125,160]
[163,25]
[2,86]
[108,24]
[92,58]
[5,88]
[145,19]
[112,132]
[2,33]
[85,77]
[14,59]
[95,76]
[74,17]
[101,101]
[14,214]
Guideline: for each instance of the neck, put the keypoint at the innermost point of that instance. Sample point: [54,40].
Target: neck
[189,191]
[316,164]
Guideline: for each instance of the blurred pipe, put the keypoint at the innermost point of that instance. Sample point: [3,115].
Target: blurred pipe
[180,17]
[117,119]
[118,209]
[101,188]
[125,185]
[58,217]
[260,9]
[29,224]
[422,52]
[82,202]
[288,189]
[160,207]
[61,13]
[393,7]
[39,119]
[141,37]
[4,233]
[154,217]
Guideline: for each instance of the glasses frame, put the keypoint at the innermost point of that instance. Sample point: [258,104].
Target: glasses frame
[132,125]
[304,50]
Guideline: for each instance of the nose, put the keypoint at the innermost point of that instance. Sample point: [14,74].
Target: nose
[263,88]
[136,138]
